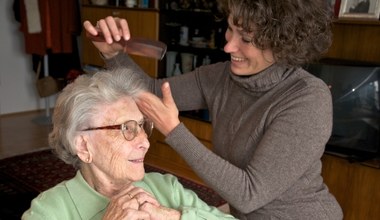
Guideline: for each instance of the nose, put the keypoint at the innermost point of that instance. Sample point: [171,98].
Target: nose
[145,145]
[142,138]
[142,141]
[232,43]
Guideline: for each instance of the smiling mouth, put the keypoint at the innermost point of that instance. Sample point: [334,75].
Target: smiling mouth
[137,161]
[237,59]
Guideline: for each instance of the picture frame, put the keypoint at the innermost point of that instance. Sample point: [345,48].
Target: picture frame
[334,6]
[360,9]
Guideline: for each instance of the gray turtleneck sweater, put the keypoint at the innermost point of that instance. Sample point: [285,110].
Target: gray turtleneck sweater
[269,133]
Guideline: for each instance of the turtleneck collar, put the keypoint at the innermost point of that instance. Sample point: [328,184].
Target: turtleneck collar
[264,80]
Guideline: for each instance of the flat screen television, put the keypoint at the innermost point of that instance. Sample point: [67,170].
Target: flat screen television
[356,108]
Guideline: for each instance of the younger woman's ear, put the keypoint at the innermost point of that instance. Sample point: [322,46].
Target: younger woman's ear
[82,148]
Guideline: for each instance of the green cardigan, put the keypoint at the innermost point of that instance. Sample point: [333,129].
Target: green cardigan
[75,199]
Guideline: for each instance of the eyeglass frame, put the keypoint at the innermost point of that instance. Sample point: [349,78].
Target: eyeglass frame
[123,127]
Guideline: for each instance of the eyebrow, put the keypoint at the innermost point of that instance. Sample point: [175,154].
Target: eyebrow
[141,120]
[239,29]
[120,123]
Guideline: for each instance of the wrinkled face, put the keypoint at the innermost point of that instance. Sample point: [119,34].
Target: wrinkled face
[246,59]
[115,158]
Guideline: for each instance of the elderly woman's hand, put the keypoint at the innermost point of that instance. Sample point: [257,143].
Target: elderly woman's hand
[113,29]
[124,208]
[141,196]
[160,212]
[126,204]
[149,204]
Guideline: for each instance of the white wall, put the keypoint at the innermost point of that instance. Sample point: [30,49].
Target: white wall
[17,88]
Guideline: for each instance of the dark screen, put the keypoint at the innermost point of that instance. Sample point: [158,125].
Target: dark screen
[355,92]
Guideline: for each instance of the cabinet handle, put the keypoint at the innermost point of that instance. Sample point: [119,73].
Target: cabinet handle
[116,13]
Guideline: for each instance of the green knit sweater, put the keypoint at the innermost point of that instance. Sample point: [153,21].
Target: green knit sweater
[74,199]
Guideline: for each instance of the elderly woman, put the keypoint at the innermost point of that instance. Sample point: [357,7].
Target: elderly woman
[98,128]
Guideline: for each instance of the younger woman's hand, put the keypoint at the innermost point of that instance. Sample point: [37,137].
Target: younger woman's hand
[113,30]
[163,113]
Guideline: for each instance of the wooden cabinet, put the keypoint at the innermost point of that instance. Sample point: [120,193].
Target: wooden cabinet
[142,23]
[354,185]
[357,41]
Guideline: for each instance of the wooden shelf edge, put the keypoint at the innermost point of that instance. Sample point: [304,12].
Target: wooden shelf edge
[357,21]
[122,7]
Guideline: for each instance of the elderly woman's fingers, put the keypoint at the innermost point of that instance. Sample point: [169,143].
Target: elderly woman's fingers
[126,213]
[123,208]
[142,196]
[137,194]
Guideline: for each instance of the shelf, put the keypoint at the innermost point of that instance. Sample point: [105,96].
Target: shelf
[356,21]
[191,49]
[198,11]
[199,115]
[200,28]
[122,7]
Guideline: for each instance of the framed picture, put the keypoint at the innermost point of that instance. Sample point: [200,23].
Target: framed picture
[363,9]
[335,6]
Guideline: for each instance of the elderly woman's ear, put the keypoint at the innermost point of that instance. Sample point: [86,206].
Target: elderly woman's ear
[81,146]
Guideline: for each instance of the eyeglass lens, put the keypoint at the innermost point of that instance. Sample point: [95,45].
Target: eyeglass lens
[131,129]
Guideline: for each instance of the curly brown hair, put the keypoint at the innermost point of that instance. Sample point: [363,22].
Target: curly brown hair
[297,31]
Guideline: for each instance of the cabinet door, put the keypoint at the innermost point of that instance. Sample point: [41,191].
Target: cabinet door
[142,23]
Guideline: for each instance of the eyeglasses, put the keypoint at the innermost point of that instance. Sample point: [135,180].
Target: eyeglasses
[130,129]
